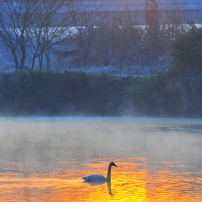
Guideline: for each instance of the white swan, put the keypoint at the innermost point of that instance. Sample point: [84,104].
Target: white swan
[101,177]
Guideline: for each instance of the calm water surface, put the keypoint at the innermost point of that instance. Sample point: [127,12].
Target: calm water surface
[44,159]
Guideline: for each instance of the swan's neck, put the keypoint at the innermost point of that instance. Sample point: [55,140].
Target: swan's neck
[109,173]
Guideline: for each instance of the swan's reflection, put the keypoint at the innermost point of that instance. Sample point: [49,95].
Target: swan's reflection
[109,187]
[95,182]
[100,183]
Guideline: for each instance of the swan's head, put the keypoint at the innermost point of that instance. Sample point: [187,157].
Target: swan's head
[113,164]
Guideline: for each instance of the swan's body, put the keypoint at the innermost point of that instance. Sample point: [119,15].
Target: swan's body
[100,177]
[95,178]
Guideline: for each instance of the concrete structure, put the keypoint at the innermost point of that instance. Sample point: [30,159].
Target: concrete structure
[133,10]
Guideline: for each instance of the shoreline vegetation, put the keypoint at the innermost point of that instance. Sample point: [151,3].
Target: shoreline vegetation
[38,93]
[167,53]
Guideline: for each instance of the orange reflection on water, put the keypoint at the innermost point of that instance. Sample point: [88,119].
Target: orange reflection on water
[133,180]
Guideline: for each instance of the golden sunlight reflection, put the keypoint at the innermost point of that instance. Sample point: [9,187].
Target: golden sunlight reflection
[45,159]
[135,179]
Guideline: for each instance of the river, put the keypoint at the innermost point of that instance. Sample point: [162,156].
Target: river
[44,159]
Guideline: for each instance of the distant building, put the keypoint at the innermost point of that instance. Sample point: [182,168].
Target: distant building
[125,10]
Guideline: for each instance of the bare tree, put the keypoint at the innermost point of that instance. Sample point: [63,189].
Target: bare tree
[176,17]
[15,19]
[48,30]
[32,26]
[87,19]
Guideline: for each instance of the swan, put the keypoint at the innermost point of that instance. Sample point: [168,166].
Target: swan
[101,177]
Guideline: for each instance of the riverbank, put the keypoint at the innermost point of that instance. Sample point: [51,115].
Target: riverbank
[80,93]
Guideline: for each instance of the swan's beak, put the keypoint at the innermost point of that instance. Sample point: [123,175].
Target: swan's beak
[113,164]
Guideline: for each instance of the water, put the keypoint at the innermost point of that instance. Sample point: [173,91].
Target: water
[44,159]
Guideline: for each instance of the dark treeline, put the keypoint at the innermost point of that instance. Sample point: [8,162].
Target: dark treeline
[68,93]
[71,93]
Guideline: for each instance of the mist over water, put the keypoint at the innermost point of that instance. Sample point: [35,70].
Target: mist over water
[71,148]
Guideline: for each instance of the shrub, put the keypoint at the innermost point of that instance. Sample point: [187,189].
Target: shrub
[187,50]
[54,93]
